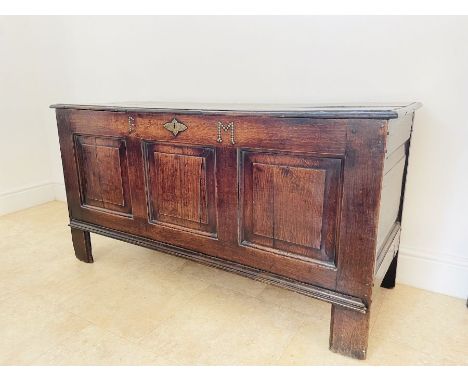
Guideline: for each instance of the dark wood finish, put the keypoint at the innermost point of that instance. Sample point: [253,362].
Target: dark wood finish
[290,203]
[349,332]
[306,198]
[363,172]
[181,186]
[103,173]
[82,245]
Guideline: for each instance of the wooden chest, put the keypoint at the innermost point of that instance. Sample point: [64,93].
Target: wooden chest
[308,198]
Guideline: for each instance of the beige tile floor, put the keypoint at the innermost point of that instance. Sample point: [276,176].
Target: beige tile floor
[136,306]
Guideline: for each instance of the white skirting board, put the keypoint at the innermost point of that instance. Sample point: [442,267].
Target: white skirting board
[436,272]
[26,197]
[31,196]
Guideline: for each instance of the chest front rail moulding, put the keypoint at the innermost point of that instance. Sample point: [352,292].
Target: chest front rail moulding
[308,198]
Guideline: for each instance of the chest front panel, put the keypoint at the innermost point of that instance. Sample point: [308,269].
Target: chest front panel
[264,192]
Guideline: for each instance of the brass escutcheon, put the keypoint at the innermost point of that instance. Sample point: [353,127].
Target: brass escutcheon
[175,127]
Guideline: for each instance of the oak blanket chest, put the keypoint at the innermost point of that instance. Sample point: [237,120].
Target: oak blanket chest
[307,198]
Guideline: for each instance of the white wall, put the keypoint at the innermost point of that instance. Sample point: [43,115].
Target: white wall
[25,163]
[274,59]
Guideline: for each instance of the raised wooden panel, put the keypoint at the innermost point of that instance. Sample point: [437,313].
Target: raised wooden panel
[292,186]
[290,204]
[184,176]
[390,199]
[181,186]
[103,173]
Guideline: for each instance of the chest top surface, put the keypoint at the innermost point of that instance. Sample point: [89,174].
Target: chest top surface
[370,110]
